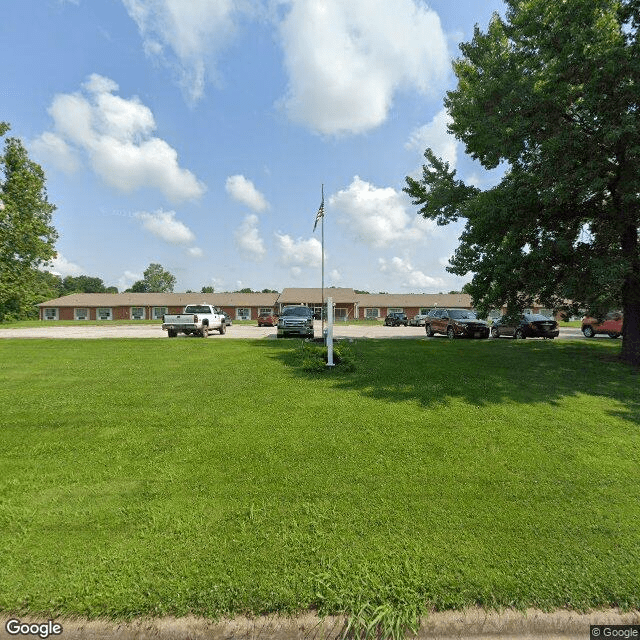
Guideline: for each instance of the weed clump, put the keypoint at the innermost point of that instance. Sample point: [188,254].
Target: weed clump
[315,357]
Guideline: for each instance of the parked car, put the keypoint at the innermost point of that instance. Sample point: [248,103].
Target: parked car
[530,325]
[267,320]
[395,319]
[296,320]
[455,323]
[611,325]
[418,320]
[227,318]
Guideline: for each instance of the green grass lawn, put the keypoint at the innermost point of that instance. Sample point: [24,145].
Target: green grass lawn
[218,477]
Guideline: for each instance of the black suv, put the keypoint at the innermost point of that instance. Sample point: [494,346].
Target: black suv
[455,323]
[395,319]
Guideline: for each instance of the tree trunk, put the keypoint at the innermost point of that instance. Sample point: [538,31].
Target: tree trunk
[631,299]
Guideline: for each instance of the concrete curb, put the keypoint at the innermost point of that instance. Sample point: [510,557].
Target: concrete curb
[469,624]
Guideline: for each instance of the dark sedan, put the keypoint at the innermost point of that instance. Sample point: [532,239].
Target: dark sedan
[531,325]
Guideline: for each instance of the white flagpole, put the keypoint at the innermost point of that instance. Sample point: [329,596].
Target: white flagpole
[322,313]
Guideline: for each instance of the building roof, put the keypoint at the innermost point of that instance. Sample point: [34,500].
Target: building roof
[414,300]
[309,296]
[312,295]
[161,299]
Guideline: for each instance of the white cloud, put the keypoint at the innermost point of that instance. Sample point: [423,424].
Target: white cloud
[186,36]
[195,252]
[379,216]
[127,279]
[248,239]
[346,60]
[51,148]
[299,253]
[63,267]
[163,225]
[244,191]
[436,136]
[115,134]
[409,277]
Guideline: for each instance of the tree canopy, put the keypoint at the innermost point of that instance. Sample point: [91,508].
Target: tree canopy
[27,235]
[551,91]
[156,280]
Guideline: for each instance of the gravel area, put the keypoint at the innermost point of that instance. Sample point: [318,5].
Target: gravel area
[234,331]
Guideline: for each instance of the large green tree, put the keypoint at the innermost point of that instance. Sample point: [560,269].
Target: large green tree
[156,280]
[552,91]
[27,236]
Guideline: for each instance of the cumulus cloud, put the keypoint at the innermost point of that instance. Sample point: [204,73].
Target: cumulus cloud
[244,191]
[435,135]
[62,267]
[115,134]
[127,279]
[346,60]
[195,252]
[379,216]
[248,239]
[163,225]
[408,276]
[50,148]
[186,36]
[299,253]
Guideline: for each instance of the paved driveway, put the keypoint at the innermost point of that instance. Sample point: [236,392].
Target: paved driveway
[107,330]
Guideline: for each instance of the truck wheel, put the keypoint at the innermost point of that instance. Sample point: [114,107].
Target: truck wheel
[204,332]
[171,333]
[223,328]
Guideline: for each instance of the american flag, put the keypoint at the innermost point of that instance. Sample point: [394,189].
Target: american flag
[320,213]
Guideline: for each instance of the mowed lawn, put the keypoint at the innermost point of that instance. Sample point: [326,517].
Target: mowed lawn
[218,477]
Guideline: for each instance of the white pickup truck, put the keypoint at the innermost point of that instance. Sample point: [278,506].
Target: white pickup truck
[196,320]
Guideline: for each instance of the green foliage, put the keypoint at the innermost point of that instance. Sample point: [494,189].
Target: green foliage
[551,92]
[315,357]
[206,290]
[84,284]
[27,236]
[156,280]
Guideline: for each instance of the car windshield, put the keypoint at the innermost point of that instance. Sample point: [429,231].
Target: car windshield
[297,311]
[462,314]
[197,308]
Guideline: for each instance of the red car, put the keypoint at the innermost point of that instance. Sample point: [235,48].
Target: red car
[611,325]
[267,320]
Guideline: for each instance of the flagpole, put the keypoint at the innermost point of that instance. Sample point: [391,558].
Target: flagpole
[322,313]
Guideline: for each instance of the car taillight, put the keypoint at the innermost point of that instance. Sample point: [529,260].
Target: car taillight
[195,318]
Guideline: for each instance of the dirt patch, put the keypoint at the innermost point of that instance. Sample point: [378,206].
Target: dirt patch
[470,624]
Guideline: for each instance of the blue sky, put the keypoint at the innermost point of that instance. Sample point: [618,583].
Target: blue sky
[197,134]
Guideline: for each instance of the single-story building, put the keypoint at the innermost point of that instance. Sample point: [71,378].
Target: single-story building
[348,304]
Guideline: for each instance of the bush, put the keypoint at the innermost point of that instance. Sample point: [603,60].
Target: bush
[315,357]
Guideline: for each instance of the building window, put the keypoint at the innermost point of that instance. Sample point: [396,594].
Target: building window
[340,313]
[371,313]
[104,313]
[137,313]
[51,314]
[424,310]
[158,312]
[265,310]
[395,310]
[81,314]
[243,313]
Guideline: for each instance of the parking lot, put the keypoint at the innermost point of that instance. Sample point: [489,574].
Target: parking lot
[234,331]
